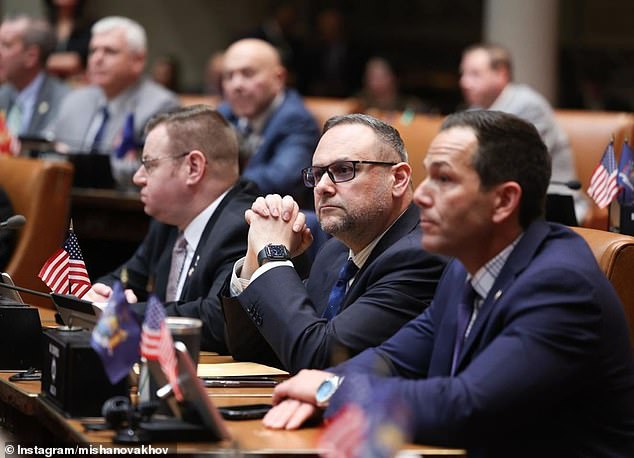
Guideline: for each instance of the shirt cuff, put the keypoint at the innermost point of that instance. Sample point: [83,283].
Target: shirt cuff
[238,285]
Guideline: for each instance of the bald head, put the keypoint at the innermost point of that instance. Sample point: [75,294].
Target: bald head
[252,76]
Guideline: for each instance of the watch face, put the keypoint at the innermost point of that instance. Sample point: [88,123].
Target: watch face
[325,391]
[276,251]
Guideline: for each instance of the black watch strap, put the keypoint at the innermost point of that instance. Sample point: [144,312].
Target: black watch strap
[273,252]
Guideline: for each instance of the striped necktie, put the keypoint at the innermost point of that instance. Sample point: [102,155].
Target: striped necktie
[179,253]
[97,142]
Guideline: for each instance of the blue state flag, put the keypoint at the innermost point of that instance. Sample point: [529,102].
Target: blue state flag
[128,142]
[116,336]
[626,175]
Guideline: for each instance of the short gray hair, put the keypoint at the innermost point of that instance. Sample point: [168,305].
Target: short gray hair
[386,134]
[136,37]
[37,32]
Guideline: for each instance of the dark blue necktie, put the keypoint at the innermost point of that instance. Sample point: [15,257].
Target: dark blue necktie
[465,310]
[338,291]
[96,144]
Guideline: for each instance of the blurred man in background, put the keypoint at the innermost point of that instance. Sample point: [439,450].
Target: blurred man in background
[486,80]
[109,116]
[30,98]
[278,135]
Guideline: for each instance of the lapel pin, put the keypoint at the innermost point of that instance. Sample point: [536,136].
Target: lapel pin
[497,295]
[43,107]
[191,270]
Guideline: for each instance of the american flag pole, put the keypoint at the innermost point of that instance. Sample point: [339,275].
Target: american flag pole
[70,283]
[613,226]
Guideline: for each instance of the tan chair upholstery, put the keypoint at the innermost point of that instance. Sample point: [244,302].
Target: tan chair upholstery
[39,190]
[589,133]
[615,255]
[417,132]
[187,100]
[323,108]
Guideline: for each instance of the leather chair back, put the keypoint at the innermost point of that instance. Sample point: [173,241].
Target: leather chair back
[417,132]
[39,190]
[323,108]
[615,255]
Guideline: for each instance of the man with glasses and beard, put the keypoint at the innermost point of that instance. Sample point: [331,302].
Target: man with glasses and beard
[189,184]
[365,282]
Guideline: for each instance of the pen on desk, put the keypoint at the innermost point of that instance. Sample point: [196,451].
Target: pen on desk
[225,383]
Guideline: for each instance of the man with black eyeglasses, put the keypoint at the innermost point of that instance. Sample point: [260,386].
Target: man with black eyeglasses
[365,283]
[189,184]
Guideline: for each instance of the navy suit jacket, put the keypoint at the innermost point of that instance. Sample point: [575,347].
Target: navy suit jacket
[223,241]
[289,138]
[278,319]
[546,370]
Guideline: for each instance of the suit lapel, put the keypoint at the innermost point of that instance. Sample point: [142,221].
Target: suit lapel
[519,259]
[42,107]
[401,227]
[192,269]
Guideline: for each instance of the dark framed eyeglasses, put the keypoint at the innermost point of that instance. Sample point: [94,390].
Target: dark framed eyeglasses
[150,163]
[338,172]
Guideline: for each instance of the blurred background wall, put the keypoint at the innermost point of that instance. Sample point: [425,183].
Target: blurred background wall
[579,53]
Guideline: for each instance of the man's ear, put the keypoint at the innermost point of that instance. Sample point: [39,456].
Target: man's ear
[402,173]
[196,163]
[507,200]
[32,54]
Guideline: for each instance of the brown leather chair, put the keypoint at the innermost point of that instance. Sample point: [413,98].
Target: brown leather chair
[39,190]
[615,255]
[323,108]
[417,133]
[196,99]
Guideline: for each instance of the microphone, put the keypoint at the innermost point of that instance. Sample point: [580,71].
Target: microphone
[25,290]
[570,184]
[13,222]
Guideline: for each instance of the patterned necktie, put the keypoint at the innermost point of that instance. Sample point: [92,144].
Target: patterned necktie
[338,291]
[14,119]
[465,310]
[176,267]
[96,144]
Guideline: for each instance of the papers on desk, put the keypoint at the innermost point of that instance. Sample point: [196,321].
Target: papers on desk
[238,370]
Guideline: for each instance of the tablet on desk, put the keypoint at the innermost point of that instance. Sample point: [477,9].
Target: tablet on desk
[76,312]
[207,418]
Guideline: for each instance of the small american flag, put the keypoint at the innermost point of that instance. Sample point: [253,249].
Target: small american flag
[603,183]
[157,343]
[65,272]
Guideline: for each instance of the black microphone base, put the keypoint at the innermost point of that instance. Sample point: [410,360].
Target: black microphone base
[20,337]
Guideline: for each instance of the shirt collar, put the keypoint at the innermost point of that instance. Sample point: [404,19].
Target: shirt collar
[30,92]
[194,230]
[258,122]
[483,280]
[119,103]
[362,256]
[502,99]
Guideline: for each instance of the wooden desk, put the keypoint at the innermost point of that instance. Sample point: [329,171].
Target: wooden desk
[248,437]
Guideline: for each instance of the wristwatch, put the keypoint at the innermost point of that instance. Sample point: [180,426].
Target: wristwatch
[273,253]
[327,389]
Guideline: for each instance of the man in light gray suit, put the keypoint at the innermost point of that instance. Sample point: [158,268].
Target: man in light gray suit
[109,116]
[486,80]
[29,98]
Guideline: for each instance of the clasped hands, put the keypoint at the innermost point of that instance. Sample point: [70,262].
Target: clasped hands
[276,220]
